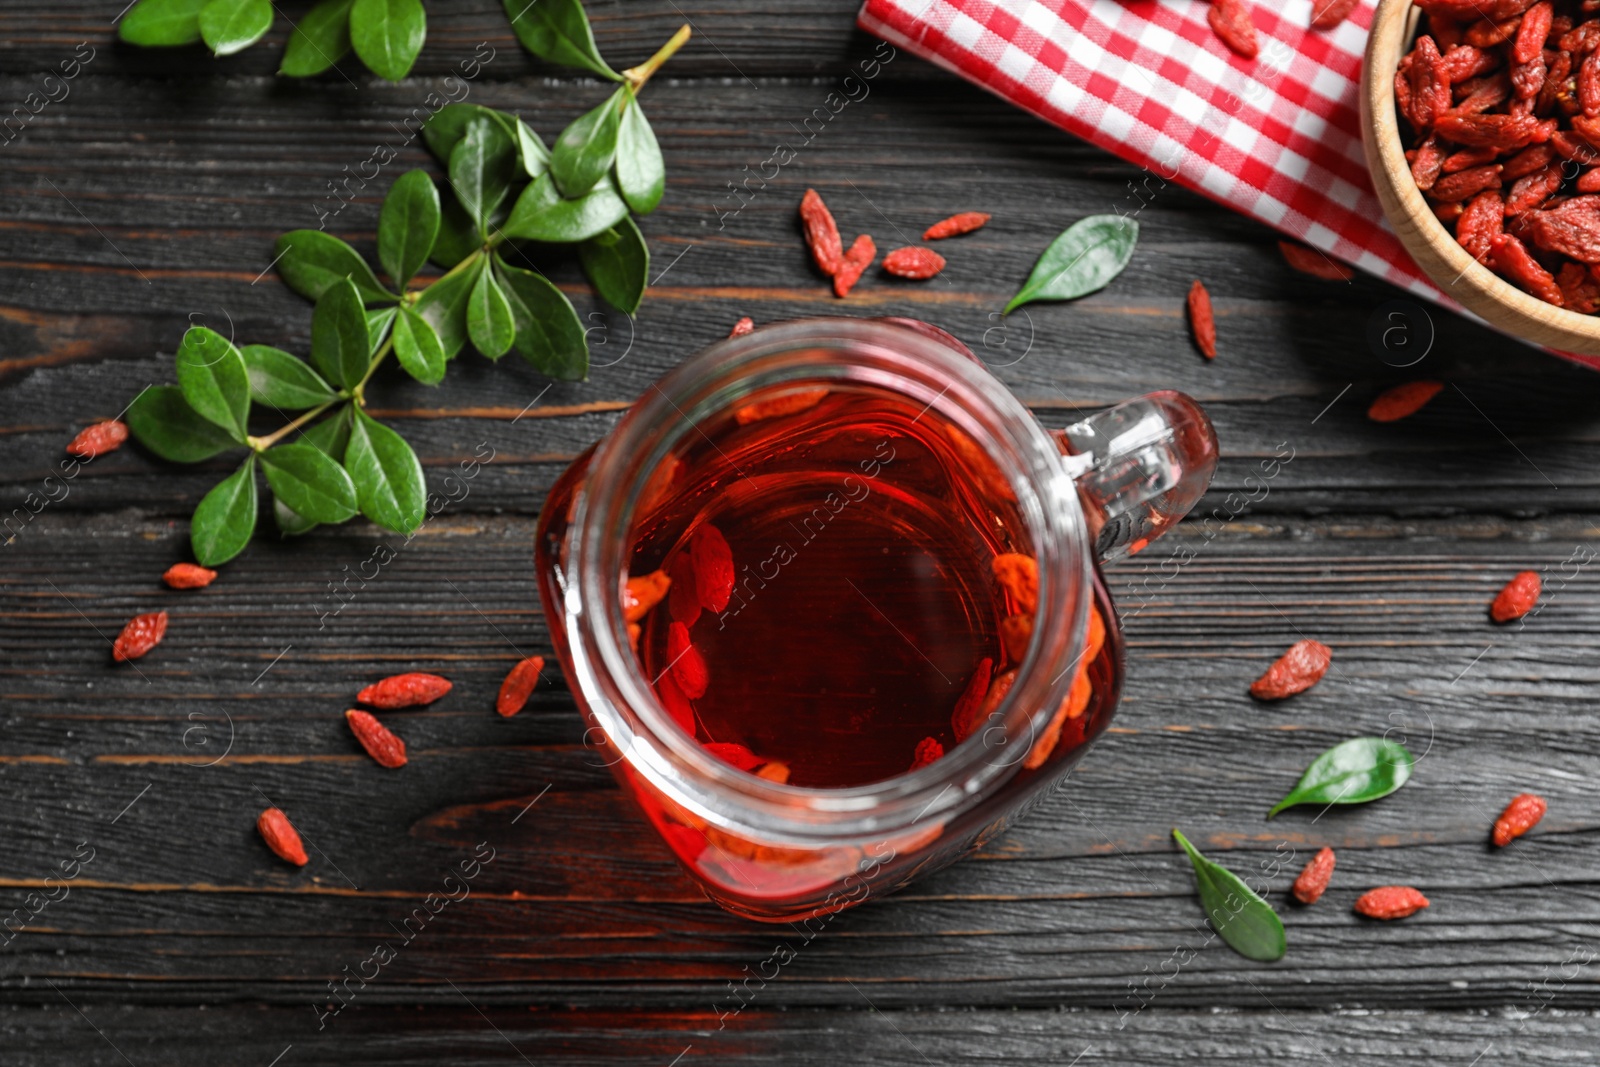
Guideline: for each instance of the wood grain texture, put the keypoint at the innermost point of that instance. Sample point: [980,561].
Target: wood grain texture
[153,193]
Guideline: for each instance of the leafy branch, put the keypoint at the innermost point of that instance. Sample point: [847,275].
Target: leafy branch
[333,459]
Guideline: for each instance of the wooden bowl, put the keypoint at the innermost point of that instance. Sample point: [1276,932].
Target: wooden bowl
[1449,266]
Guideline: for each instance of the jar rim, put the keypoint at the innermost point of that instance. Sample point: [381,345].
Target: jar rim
[926,370]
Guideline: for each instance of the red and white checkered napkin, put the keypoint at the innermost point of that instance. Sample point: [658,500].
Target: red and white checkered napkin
[1277,137]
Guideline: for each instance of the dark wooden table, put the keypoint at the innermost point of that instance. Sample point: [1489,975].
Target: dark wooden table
[150,197]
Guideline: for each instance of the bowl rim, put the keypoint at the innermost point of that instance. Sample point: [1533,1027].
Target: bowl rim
[1442,259]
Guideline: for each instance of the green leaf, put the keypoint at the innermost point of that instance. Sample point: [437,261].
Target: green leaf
[341,346]
[481,170]
[310,482]
[444,304]
[331,435]
[535,156]
[214,381]
[418,348]
[1090,253]
[1245,921]
[445,127]
[408,225]
[458,235]
[378,323]
[320,40]
[162,420]
[489,321]
[586,148]
[386,473]
[542,214]
[549,333]
[229,26]
[284,381]
[162,23]
[311,261]
[1353,772]
[289,523]
[226,518]
[641,172]
[558,30]
[618,265]
[388,34]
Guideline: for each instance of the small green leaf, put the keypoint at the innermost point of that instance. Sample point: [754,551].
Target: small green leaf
[162,420]
[1090,253]
[226,518]
[289,523]
[341,346]
[542,214]
[641,172]
[444,303]
[445,127]
[408,225]
[388,34]
[310,482]
[558,30]
[386,473]
[214,381]
[162,23]
[378,323]
[458,235]
[481,166]
[229,26]
[1245,921]
[489,321]
[310,261]
[284,381]
[549,333]
[331,435]
[418,348]
[1353,772]
[618,265]
[319,40]
[535,156]
[586,148]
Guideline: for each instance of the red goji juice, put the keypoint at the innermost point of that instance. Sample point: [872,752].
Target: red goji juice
[859,530]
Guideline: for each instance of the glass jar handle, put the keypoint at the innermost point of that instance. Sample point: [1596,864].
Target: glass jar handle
[1139,467]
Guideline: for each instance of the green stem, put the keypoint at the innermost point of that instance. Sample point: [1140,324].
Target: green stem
[261,444]
[637,76]
[356,393]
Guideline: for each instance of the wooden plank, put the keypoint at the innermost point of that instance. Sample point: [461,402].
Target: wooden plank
[582,906]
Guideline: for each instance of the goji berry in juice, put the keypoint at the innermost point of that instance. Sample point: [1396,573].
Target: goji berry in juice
[862,532]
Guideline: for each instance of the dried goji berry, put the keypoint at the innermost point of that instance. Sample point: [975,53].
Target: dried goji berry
[1481,222]
[1559,84]
[1295,671]
[142,633]
[1520,816]
[404,691]
[1391,902]
[1310,261]
[1466,183]
[929,750]
[1531,34]
[188,576]
[1482,94]
[1530,159]
[1466,10]
[1504,132]
[1471,157]
[1466,61]
[1326,14]
[742,327]
[1313,881]
[913,262]
[1588,181]
[1580,290]
[518,685]
[713,567]
[1401,400]
[281,837]
[774,771]
[379,741]
[684,661]
[787,403]
[1486,33]
[1445,213]
[1202,321]
[1231,22]
[1510,257]
[1580,39]
[1517,598]
[98,439]
[1571,228]
[1447,33]
[964,719]
[684,601]
[641,594]
[1528,78]
[1018,575]
[860,256]
[822,234]
[1430,84]
[956,225]
[738,755]
[1534,189]
[1569,145]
